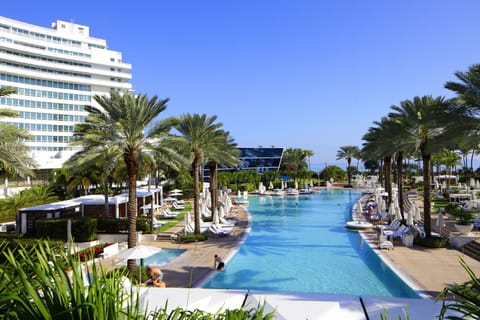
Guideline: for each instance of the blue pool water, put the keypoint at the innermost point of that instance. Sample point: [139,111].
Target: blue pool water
[163,257]
[301,244]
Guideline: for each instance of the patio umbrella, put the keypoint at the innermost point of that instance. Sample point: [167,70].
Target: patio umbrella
[410,217]
[175,194]
[138,252]
[398,214]
[440,220]
[391,209]
[176,191]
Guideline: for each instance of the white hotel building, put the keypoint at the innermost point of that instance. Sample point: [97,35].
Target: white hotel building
[56,72]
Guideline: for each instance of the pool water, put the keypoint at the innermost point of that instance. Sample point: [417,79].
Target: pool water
[163,257]
[300,244]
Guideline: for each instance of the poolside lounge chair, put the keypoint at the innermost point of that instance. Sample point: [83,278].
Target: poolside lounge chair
[402,230]
[156,223]
[384,243]
[176,206]
[218,231]
[394,225]
[168,215]
[225,222]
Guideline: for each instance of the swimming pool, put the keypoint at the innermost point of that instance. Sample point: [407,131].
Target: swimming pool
[163,257]
[300,244]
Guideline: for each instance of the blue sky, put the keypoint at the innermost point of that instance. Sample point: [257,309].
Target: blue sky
[304,74]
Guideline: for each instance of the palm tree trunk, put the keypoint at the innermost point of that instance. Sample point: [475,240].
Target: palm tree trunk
[400,182]
[213,186]
[388,177]
[132,216]
[427,225]
[349,172]
[105,195]
[196,193]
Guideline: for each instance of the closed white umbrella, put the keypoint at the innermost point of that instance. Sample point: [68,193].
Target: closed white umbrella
[418,215]
[398,214]
[440,220]
[410,217]
[391,209]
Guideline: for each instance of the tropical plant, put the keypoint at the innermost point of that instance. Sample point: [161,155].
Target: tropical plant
[468,89]
[223,150]
[430,124]
[127,126]
[200,132]
[14,158]
[308,154]
[348,152]
[463,217]
[37,195]
[465,303]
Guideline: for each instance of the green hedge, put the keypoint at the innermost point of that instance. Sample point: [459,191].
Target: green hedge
[83,229]
[120,225]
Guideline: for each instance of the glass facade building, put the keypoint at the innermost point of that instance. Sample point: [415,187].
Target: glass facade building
[56,72]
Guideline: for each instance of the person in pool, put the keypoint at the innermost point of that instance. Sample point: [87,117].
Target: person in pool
[218,263]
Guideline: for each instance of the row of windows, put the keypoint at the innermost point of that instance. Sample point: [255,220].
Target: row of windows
[36,57]
[45,83]
[51,116]
[53,139]
[64,73]
[40,104]
[53,95]
[70,53]
[43,127]
[45,148]
[45,37]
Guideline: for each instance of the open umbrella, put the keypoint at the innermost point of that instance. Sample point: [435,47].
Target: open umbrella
[176,191]
[138,252]
[175,194]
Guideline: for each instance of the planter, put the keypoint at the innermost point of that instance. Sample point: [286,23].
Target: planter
[464,228]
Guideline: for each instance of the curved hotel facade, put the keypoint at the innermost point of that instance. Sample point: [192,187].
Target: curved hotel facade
[56,72]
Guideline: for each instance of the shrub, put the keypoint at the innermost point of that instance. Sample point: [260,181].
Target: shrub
[190,237]
[83,228]
[432,242]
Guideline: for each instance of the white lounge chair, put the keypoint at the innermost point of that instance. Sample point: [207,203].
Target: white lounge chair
[176,206]
[384,243]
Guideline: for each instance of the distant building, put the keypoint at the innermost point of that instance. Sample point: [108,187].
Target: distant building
[260,159]
[56,72]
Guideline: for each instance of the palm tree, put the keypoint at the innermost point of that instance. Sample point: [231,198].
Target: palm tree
[199,132]
[378,145]
[308,154]
[14,158]
[348,152]
[223,150]
[127,124]
[430,124]
[468,89]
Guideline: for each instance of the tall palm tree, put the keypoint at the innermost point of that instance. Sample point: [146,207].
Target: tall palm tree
[431,125]
[129,124]
[199,132]
[14,158]
[308,154]
[378,146]
[468,89]
[348,152]
[222,150]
